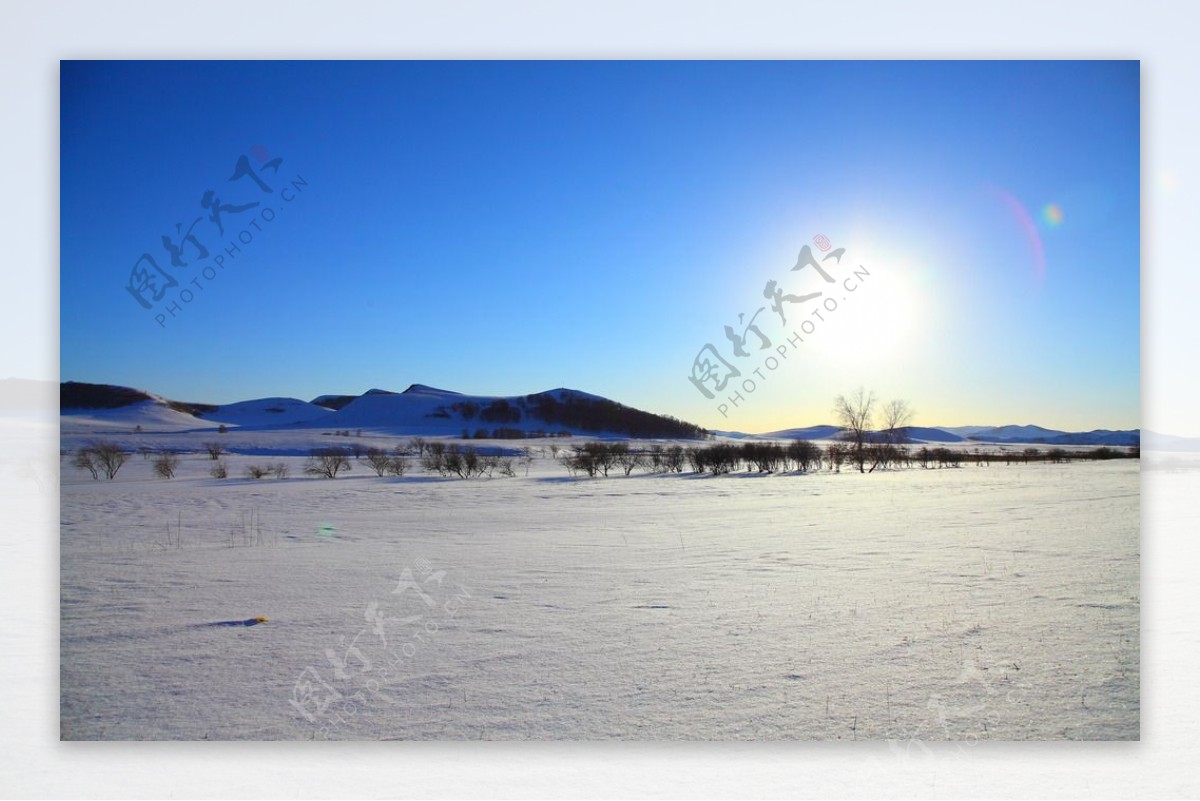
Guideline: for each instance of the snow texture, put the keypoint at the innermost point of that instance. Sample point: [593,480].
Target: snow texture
[955,604]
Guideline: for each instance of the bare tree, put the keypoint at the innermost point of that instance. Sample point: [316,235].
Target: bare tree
[219,470]
[627,459]
[165,464]
[379,460]
[1058,455]
[834,455]
[215,449]
[397,465]
[327,462]
[488,463]
[897,416]
[108,457]
[855,414]
[804,454]
[257,471]
[280,470]
[86,460]
[605,455]
[434,459]
[889,446]
[580,458]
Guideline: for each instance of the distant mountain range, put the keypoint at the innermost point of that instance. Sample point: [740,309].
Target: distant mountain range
[1010,434]
[425,410]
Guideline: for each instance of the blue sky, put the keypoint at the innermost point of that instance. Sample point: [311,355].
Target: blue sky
[509,227]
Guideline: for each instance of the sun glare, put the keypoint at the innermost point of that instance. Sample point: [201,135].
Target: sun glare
[870,314]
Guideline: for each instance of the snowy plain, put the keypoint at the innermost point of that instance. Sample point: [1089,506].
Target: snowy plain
[972,603]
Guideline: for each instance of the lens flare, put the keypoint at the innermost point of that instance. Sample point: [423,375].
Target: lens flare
[1028,228]
[1052,214]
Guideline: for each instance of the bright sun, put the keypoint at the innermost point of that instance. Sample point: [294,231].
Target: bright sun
[875,317]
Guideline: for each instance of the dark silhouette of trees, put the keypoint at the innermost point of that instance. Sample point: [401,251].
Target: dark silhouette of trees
[763,457]
[855,414]
[85,460]
[602,415]
[101,458]
[804,455]
[165,464]
[81,395]
[327,462]
[457,460]
[378,460]
[1057,456]
[500,411]
[626,458]
[835,454]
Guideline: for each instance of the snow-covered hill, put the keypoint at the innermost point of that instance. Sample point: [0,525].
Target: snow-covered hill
[1014,433]
[419,410]
[266,412]
[926,434]
[1098,437]
[422,410]
[809,433]
[146,415]
[1037,435]
[430,411]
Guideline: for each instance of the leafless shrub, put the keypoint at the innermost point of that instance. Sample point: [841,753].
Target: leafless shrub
[86,460]
[101,457]
[165,464]
[379,460]
[327,462]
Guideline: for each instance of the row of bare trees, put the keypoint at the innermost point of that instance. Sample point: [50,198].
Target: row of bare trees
[464,462]
[600,458]
[860,444]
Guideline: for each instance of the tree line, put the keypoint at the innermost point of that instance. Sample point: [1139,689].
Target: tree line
[859,445]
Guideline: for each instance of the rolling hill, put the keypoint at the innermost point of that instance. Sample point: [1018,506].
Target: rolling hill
[419,410]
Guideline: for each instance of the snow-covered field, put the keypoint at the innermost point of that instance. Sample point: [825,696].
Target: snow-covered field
[972,603]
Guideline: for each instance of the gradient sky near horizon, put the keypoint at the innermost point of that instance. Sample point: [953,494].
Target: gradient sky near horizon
[508,227]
